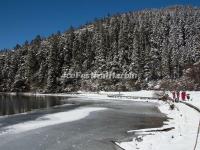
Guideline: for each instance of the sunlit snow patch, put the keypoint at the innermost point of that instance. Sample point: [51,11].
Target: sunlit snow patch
[50,119]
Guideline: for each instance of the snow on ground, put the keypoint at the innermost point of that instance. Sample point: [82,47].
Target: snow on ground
[195,98]
[185,121]
[51,119]
[142,93]
[96,95]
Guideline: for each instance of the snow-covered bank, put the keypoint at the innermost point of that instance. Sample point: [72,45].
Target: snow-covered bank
[185,122]
[99,95]
[51,119]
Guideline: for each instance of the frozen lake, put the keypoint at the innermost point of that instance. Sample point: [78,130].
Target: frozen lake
[95,131]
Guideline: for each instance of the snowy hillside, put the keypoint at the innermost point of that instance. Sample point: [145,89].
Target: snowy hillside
[152,45]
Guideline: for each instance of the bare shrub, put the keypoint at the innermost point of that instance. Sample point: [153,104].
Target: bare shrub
[158,94]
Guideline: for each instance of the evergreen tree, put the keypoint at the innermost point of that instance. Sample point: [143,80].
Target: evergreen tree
[53,64]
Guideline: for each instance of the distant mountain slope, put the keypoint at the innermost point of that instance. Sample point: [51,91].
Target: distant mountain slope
[152,44]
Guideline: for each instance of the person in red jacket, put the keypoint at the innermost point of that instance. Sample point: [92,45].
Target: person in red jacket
[183,95]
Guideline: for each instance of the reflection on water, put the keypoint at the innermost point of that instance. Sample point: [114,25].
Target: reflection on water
[14,104]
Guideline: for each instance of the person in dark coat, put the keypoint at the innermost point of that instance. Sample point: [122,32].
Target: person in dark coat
[178,95]
[188,97]
[173,95]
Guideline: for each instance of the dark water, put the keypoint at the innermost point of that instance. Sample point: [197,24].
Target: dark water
[15,104]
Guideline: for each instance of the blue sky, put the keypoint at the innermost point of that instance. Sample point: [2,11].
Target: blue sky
[22,20]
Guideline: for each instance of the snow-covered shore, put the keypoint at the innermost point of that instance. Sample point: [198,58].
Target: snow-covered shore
[184,123]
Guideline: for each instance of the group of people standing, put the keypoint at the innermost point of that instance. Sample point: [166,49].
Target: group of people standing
[180,95]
